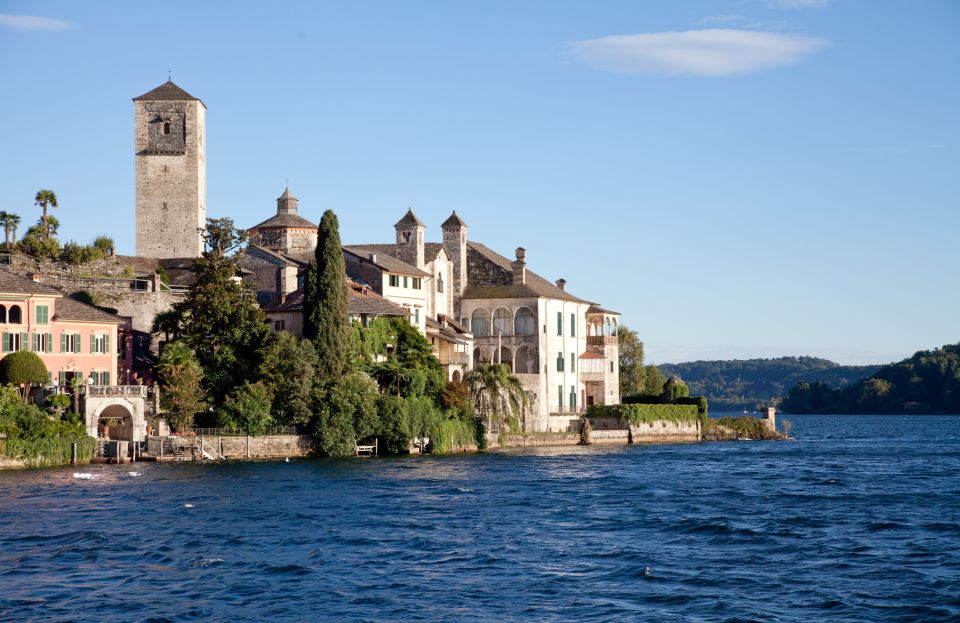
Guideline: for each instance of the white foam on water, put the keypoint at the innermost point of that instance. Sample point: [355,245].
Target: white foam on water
[188,505]
[85,476]
[134,474]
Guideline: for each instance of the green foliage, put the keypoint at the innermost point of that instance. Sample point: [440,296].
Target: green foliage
[700,402]
[453,433]
[182,395]
[104,244]
[50,451]
[23,368]
[45,198]
[674,388]
[927,382]
[394,434]
[288,372]
[498,396]
[333,431]
[743,427]
[220,319]
[632,373]
[653,380]
[36,247]
[644,413]
[164,277]
[752,383]
[409,368]
[325,314]
[59,402]
[355,395]
[247,408]
[84,297]
[643,399]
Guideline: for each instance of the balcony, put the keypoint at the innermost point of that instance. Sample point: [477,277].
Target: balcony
[117,390]
[601,340]
[455,359]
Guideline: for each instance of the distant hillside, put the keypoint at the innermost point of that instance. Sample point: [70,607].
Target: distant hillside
[741,384]
[928,382]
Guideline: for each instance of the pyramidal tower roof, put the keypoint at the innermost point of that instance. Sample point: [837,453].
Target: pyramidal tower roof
[454,221]
[167,91]
[409,219]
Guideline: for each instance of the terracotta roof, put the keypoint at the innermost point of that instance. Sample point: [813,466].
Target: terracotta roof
[166,92]
[285,220]
[360,300]
[385,261]
[69,309]
[589,355]
[15,284]
[283,257]
[446,333]
[453,221]
[596,309]
[535,286]
[410,219]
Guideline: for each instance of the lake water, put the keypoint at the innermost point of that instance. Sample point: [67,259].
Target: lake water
[856,520]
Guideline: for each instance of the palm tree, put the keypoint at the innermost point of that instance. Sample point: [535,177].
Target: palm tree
[45,198]
[497,395]
[5,222]
[14,220]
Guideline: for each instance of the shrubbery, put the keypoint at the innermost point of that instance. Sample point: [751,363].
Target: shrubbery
[645,413]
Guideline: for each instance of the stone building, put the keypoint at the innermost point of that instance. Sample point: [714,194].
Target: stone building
[286,232]
[171,172]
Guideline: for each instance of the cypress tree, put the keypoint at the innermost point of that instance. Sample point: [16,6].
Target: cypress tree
[325,315]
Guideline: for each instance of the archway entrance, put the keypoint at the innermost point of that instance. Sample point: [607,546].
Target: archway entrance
[115,423]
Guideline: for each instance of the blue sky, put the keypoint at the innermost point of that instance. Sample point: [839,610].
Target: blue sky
[739,178]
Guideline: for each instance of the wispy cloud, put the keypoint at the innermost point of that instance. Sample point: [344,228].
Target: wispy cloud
[33,22]
[798,4]
[711,52]
[723,20]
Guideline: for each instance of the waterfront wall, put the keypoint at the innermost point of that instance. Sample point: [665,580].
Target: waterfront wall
[608,431]
[266,447]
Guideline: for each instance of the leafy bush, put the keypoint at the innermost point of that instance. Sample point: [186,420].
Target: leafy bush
[644,413]
[699,401]
[394,435]
[333,432]
[248,408]
[59,402]
[23,368]
[40,249]
[642,399]
[355,395]
[104,244]
[164,277]
[49,451]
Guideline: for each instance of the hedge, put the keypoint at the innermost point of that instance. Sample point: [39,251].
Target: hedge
[451,435]
[642,399]
[642,413]
[49,451]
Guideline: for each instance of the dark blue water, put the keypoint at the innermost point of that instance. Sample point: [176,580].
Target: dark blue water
[857,520]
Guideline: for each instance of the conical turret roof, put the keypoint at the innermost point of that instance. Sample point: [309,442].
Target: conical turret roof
[167,91]
[409,219]
[453,221]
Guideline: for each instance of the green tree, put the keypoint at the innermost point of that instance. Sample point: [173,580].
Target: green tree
[182,395]
[394,436]
[45,199]
[5,221]
[23,369]
[220,318]
[653,381]
[288,372]
[407,366]
[333,432]
[498,396]
[104,244]
[248,408]
[325,314]
[356,395]
[674,388]
[632,373]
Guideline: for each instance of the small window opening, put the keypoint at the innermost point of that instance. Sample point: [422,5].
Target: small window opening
[166,127]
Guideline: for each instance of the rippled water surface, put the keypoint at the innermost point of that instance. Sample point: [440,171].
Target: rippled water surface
[857,520]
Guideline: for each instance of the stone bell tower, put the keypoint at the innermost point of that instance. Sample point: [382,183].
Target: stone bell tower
[171,172]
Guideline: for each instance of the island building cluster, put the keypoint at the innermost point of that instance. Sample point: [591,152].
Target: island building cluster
[473,304]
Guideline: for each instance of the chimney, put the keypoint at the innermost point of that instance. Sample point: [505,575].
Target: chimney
[519,266]
[34,277]
[562,284]
[372,257]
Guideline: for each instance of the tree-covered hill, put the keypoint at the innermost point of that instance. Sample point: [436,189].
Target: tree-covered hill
[928,382]
[740,384]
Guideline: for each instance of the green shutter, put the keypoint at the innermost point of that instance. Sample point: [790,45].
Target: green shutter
[106,378]
[36,342]
[76,343]
[49,342]
[106,345]
[24,341]
[93,343]
[6,342]
[560,323]
[63,342]
[573,325]
[63,378]
[573,362]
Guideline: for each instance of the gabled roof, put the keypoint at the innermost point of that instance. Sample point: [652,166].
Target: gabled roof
[385,261]
[453,221]
[409,219]
[167,92]
[596,309]
[69,309]
[360,300]
[11,283]
[280,257]
[535,286]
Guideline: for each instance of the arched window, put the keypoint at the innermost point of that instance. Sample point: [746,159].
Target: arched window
[440,283]
[502,322]
[480,323]
[477,356]
[523,323]
[520,365]
[456,376]
[166,127]
[15,315]
[613,326]
[3,314]
[506,357]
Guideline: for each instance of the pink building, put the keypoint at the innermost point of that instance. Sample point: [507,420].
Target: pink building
[73,339]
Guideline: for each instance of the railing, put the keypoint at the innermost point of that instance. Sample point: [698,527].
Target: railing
[117,390]
[455,359]
[208,452]
[601,339]
[237,432]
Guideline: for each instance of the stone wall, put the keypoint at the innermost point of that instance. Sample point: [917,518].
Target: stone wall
[266,447]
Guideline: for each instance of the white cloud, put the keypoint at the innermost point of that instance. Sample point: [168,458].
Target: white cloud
[33,22]
[711,52]
[722,20]
[798,4]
